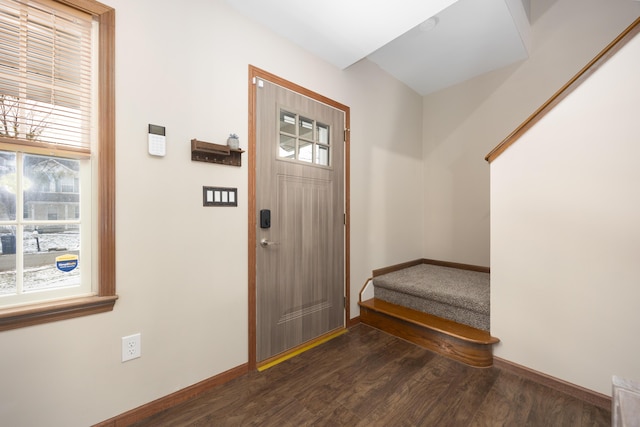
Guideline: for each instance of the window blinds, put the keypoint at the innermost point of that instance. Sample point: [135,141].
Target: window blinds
[45,74]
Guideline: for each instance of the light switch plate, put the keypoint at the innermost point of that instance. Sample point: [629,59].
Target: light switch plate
[219,196]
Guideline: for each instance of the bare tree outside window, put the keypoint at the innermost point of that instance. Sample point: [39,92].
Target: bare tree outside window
[33,120]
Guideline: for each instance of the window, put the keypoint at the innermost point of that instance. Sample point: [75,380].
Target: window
[57,173]
[303,139]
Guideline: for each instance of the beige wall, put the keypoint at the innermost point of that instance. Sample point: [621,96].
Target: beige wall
[181,268]
[565,234]
[463,123]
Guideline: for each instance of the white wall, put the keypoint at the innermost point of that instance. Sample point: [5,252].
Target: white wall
[181,268]
[565,235]
[463,123]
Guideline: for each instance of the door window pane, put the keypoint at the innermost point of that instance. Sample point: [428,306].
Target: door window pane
[323,134]
[322,155]
[305,151]
[287,147]
[303,139]
[287,122]
[306,128]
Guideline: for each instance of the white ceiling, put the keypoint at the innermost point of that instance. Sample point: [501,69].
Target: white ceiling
[471,37]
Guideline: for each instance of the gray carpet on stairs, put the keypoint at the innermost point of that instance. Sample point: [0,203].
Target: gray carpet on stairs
[459,295]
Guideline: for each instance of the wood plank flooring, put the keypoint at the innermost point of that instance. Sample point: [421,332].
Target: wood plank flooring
[369,378]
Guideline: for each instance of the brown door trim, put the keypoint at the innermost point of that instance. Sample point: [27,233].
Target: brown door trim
[255,73]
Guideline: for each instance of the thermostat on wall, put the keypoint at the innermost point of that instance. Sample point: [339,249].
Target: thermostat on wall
[157,140]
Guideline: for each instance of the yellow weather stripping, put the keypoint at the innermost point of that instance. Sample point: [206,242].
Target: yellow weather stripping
[301,350]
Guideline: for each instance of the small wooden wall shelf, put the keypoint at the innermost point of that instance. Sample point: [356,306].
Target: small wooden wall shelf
[215,153]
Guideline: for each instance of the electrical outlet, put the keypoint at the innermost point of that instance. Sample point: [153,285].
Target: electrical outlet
[131,347]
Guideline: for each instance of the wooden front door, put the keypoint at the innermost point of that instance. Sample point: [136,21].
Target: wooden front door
[300,228]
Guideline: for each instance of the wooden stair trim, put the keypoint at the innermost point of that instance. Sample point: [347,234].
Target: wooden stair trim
[426,320]
[565,90]
[401,266]
[396,267]
[471,353]
[457,265]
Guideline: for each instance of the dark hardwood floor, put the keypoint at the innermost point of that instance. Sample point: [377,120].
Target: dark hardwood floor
[369,378]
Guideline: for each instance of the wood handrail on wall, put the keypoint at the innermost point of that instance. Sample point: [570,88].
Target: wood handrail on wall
[565,90]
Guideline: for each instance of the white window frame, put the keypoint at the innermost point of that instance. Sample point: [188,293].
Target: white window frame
[87,250]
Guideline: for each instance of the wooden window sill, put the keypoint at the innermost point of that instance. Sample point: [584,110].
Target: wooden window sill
[35,314]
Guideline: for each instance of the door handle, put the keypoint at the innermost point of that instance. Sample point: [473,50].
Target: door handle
[264,243]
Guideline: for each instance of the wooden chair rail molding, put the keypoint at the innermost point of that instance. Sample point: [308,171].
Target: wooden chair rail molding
[572,84]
